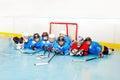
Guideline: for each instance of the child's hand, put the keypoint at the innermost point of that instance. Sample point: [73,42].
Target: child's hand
[74,51]
[33,48]
[56,51]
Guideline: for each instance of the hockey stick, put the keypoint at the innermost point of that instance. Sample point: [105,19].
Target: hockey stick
[44,63]
[32,52]
[43,53]
[37,51]
[87,59]
[43,56]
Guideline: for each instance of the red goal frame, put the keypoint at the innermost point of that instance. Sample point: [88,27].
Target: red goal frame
[76,26]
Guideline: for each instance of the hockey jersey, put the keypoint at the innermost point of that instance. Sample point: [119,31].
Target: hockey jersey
[95,48]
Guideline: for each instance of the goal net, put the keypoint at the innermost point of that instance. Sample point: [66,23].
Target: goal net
[71,29]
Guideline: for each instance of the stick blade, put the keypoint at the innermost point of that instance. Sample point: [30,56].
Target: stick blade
[78,60]
[41,63]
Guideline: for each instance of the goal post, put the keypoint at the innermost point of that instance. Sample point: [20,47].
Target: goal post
[71,29]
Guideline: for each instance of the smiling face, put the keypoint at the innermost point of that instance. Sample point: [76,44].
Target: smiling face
[61,43]
[78,44]
[37,39]
[45,38]
[88,42]
[51,39]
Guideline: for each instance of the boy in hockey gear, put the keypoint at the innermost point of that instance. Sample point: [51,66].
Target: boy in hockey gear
[96,49]
[67,39]
[76,47]
[61,47]
[36,43]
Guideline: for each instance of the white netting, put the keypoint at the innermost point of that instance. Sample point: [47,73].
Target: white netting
[72,31]
[71,28]
[56,28]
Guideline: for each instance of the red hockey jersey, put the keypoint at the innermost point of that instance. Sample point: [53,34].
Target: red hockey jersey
[83,47]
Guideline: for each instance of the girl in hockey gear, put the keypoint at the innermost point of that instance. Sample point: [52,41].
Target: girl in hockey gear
[45,42]
[79,47]
[67,39]
[52,42]
[61,47]
[96,49]
[45,36]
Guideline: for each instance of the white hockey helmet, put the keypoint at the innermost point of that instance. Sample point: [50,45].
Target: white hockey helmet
[62,32]
[51,36]
[80,39]
[25,34]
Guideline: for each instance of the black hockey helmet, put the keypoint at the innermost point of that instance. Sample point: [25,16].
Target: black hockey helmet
[36,35]
[88,39]
[61,38]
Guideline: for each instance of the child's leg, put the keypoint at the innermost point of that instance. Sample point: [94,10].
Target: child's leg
[110,51]
[16,40]
[107,50]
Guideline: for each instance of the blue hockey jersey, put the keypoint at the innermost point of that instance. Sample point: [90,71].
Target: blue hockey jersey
[65,48]
[67,40]
[95,48]
[27,45]
[51,44]
[38,45]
